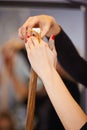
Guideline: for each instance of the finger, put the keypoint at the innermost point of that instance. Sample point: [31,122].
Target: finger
[30,43]
[22,33]
[31,22]
[52,47]
[27,26]
[27,46]
[35,22]
[44,31]
[35,41]
[51,42]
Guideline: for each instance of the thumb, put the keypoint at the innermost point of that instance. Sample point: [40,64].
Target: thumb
[51,42]
[52,47]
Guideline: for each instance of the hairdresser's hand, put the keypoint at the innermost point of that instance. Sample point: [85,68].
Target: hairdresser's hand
[41,57]
[47,24]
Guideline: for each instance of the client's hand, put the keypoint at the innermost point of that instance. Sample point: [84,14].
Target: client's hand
[41,57]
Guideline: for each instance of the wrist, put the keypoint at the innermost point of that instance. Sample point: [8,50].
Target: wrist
[48,76]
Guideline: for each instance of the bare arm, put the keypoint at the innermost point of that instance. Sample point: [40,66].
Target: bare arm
[69,112]
[72,63]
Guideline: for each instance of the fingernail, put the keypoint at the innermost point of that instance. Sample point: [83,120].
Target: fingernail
[28,36]
[53,37]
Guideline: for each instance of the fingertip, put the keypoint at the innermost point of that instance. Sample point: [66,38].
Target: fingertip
[51,42]
[28,30]
[26,44]
[28,36]
[25,41]
[23,30]
[52,37]
[19,33]
[35,39]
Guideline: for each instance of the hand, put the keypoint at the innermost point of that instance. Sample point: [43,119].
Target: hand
[41,57]
[46,23]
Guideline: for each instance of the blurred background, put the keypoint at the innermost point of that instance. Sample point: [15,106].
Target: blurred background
[14,66]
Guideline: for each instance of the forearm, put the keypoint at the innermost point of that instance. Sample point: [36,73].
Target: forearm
[67,109]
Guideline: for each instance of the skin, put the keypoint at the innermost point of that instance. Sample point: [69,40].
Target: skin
[69,112]
[47,24]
